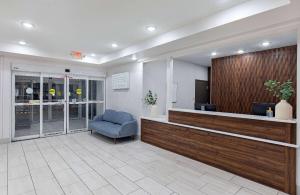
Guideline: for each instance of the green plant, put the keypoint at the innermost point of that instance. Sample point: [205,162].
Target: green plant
[150,99]
[284,91]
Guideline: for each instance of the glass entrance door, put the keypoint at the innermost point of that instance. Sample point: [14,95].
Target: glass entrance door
[53,106]
[26,106]
[46,104]
[77,104]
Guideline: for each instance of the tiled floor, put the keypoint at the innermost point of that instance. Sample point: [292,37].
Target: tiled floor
[86,164]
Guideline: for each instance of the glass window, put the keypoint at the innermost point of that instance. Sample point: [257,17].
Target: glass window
[77,90]
[27,120]
[53,89]
[95,109]
[96,90]
[53,118]
[77,116]
[27,89]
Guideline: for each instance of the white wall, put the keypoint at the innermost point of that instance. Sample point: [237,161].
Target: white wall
[128,100]
[5,111]
[35,65]
[155,79]
[143,77]
[184,76]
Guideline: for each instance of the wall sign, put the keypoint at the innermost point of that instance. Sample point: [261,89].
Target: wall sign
[120,81]
[52,92]
[78,91]
[29,90]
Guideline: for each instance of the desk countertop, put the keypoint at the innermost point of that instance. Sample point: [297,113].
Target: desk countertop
[235,115]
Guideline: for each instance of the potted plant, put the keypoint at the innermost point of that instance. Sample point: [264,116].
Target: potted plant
[151,101]
[283,91]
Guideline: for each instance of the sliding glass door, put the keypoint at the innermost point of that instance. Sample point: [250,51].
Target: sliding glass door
[47,104]
[77,104]
[26,106]
[53,106]
[96,97]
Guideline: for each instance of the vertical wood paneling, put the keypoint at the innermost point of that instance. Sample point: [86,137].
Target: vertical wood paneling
[238,81]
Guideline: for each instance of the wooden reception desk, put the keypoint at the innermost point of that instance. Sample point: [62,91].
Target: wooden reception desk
[258,148]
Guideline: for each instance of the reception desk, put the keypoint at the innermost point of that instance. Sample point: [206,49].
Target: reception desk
[258,148]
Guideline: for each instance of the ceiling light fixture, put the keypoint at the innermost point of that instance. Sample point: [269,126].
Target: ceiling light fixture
[266,44]
[213,53]
[133,57]
[241,51]
[27,25]
[114,45]
[22,43]
[151,28]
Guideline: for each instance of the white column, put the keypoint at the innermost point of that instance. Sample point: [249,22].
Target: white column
[7,98]
[1,98]
[169,85]
[298,112]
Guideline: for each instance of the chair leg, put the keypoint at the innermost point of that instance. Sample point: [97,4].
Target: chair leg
[115,140]
[91,131]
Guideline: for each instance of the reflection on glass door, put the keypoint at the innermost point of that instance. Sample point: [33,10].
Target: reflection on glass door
[96,98]
[53,105]
[27,106]
[77,104]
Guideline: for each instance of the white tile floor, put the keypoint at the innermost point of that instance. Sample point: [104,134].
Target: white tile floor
[86,164]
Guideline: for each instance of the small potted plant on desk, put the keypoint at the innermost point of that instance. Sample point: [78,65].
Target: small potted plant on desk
[151,101]
[283,91]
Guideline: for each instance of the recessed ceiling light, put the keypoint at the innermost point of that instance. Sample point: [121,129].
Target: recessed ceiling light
[114,45]
[27,25]
[266,44]
[93,55]
[213,53]
[22,43]
[151,28]
[241,51]
[133,57]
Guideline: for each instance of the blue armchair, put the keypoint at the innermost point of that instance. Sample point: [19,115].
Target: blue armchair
[114,124]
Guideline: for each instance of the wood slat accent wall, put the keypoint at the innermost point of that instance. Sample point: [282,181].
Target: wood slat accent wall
[272,165]
[238,81]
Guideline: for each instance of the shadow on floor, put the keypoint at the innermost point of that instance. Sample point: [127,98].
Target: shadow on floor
[111,141]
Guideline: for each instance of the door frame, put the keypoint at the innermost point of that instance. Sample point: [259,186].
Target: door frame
[79,77]
[62,76]
[14,104]
[66,102]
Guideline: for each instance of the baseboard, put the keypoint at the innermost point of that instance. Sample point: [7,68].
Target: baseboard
[4,140]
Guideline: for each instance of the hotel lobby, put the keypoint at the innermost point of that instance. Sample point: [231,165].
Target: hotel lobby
[149,97]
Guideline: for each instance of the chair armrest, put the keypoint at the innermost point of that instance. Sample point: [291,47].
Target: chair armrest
[98,118]
[129,128]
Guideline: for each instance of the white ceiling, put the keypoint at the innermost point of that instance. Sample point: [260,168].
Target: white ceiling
[91,26]
[204,57]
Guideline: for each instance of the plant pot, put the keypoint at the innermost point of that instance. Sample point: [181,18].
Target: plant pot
[153,111]
[283,110]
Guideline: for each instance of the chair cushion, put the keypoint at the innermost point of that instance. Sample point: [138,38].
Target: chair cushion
[109,115]
[106,128]
[122,117]
[117,117]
